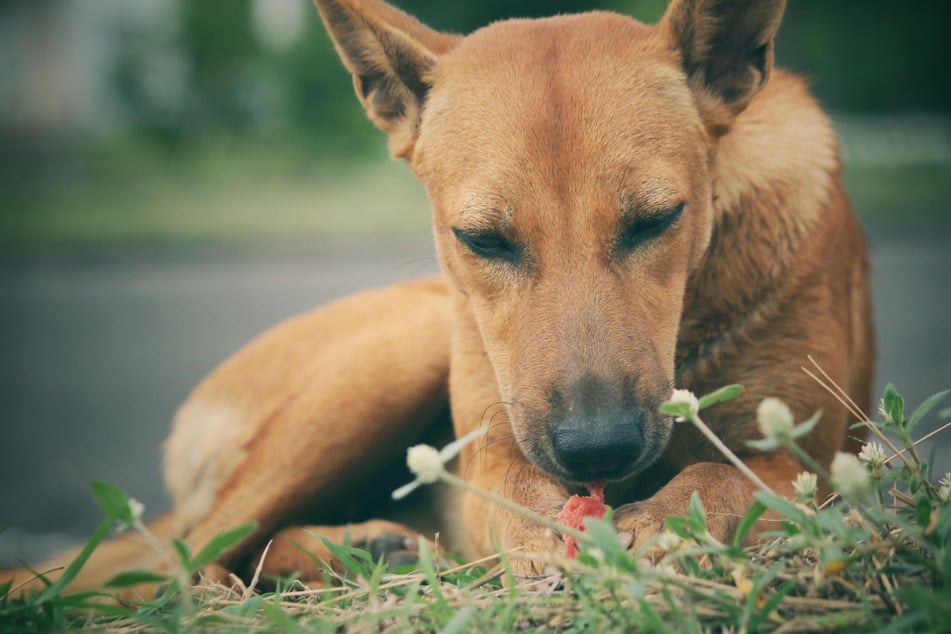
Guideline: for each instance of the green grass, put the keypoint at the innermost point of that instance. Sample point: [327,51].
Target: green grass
[122,195]
[875,559]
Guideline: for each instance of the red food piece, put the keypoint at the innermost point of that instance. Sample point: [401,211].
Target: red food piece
[578,507]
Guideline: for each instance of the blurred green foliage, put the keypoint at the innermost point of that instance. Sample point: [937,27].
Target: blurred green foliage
[217,40]
[227,138]
[864,55]
[870,55]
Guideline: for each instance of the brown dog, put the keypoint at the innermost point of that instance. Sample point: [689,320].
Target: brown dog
[619,209]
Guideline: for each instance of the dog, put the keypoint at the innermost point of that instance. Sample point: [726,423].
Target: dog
[619,209]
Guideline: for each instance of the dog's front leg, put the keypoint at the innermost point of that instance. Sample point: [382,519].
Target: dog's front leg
[490,527]
[726,495]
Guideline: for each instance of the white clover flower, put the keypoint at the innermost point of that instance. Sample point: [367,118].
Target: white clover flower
[688,398]
[775,419]
[873,455]
[424,462]
[805,485]
[849,476]
[944,488]
[669,541]
[136,508]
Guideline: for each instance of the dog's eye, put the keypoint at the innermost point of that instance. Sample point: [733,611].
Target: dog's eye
[490,245]
[648,227]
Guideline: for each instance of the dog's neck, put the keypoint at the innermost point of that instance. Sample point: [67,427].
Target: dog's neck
[782,151]
[781,154]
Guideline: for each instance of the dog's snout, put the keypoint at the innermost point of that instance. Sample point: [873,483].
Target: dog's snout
[596,430]
[590,452]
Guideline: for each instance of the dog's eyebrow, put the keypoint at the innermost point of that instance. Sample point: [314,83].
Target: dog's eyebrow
[486,210]
[650,196]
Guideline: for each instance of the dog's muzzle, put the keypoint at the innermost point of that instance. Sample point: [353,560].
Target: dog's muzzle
[597,432]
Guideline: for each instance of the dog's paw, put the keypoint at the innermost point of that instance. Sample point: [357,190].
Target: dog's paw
[303,552]
[638,522]
[534,546]
[395,549]
[216,575]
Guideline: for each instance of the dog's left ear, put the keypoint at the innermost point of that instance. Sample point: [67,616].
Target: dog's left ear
[390,55]
[727,50]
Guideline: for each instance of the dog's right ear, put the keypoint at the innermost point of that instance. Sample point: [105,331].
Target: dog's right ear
[390,55]
[726,48]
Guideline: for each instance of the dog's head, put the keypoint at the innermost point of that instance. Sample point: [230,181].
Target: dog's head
[568,162]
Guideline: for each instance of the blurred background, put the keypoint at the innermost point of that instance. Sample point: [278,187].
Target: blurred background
[177,175]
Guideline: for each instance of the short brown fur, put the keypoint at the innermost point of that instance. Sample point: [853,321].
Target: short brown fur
[619,209]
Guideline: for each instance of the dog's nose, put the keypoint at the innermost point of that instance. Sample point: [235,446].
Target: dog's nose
[590,451]
[596,428]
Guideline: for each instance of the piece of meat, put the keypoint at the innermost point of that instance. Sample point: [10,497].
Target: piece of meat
[578,507]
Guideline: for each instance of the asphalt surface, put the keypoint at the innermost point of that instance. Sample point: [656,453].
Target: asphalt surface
[97,352]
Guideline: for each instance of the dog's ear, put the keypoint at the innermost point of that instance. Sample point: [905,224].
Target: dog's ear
[390,55]
[726,47]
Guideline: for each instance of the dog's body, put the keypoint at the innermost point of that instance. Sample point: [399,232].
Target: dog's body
[619,209]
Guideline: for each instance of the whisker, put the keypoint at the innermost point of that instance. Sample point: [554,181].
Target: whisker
[420,263]
[489,415]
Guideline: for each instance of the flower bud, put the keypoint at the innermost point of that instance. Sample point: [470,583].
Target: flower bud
[849,476]
[425,463]
[775,419]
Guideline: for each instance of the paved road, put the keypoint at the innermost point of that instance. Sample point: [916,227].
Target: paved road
[97,353]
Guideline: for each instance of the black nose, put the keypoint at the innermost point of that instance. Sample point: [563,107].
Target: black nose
[591,451]
[596,432]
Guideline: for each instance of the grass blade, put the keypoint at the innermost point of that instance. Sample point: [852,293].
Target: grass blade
[220,543]
[755,511]
[57,587]
[135,578]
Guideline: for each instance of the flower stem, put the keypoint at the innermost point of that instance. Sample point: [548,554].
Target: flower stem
[806,460]
[732,457]
[538,518]
[181,575]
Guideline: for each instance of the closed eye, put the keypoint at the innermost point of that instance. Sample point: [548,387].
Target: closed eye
[646,227]
[487,244]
